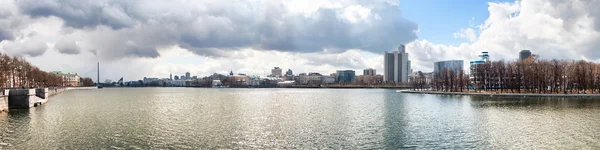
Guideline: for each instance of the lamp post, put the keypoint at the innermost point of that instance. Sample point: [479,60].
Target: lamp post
[564,84]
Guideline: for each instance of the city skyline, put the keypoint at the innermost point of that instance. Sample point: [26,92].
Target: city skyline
[129,44]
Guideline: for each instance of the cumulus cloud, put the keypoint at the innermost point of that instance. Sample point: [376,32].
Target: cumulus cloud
[31,46]
[210,27]
[80,13]
[254,36]
[67,47]
[468,34]
[11,21]
[553,29]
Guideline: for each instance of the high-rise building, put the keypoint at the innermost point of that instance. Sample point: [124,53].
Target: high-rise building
[344,76]
[176,77]
[276,72]
[289,72]
[396,66]
[170,76]
[369,72]
[187,76]
[524,54]
[455,66]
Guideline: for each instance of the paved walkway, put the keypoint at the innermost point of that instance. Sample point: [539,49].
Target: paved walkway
[500,94]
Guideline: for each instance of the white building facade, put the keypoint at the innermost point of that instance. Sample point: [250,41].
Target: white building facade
[276,72]
[396,66]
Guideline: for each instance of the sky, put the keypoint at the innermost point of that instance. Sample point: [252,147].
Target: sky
[155,38]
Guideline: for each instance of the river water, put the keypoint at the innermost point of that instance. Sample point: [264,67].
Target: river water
[197,118]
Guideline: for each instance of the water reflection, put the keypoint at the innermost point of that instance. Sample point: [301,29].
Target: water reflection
[14,125]
[396,134]
[535,103]
[188,118]
[540,123]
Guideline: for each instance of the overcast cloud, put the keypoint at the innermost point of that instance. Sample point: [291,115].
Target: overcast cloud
[153,38]
[139,28]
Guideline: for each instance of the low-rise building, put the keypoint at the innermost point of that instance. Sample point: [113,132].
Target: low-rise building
[328,79]
[314,78]
[69,78]
[302,78]
[368,79]
[238,80]
[345,76]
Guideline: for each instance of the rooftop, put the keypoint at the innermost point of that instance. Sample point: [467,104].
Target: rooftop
[61,72]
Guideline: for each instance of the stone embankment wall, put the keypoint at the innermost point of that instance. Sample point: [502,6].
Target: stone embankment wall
[4,100]
[20,98]
[27,98]
[56,91]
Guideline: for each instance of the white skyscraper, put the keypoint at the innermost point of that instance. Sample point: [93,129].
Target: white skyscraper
[276,72]
[396,66]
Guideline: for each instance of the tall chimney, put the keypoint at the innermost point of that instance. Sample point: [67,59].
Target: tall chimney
[98,81]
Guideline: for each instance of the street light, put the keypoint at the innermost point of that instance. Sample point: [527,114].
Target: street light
[564,84]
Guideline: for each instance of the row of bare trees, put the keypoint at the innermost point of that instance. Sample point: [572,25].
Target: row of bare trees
[419,81]
[528,76]
[17,72]
[539,76]
[449,80]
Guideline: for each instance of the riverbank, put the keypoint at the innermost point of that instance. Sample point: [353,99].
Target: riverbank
[294,86]
[501,94]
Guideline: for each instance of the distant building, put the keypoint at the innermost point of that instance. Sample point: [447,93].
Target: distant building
[276,72]
[476,77]
[455,66]
[327,79]
[289,72]
[238,80]
[367,79]
[69,78]
[524,54]
[176,77]
[187,76]
[253,81]
[148,80]
[170,76]
[285,83]
[396,66]
[217,83]
[369,72]
[344,76]
[314,78]
[302,78]
[428,77]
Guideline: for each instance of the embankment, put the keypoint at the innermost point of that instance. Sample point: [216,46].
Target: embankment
[503,94]
[27,98]
[4,100]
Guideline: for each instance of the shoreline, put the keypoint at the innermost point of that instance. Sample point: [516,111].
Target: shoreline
[502,94]
[303,87]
